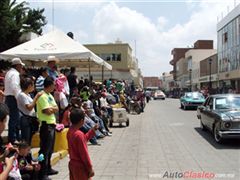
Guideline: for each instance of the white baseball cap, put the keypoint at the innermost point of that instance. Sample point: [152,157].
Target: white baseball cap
[16,61]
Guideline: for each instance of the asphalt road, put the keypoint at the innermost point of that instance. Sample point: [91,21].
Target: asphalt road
[164,142]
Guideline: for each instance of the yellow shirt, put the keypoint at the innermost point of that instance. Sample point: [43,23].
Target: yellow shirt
[46,101]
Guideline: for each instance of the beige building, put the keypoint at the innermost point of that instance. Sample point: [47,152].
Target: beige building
[182,75]
[167,82]
[188,68]
[193,58]
[209,73]
[119,55]
[186,64]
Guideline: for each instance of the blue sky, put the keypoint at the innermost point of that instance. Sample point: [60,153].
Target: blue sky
[156,26]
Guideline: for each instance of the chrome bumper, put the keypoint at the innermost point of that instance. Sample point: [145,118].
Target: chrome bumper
[229,134]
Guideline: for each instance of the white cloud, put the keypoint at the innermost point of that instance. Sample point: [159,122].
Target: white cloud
[161,22]
[154,41]
[81,36]
[154,45]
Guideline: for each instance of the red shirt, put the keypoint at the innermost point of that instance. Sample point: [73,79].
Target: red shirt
[77,147]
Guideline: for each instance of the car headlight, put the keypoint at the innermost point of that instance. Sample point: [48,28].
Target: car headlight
[227,125]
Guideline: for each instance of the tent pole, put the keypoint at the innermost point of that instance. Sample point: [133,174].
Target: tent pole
[102,73]
[89,69]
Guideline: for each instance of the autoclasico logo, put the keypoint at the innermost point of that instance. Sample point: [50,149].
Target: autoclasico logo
[191,174]
[188,174]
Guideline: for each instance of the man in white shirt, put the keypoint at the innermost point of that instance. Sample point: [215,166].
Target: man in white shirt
[12,89]
[104,104]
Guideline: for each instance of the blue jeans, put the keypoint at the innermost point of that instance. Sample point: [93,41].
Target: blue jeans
[14,119]
[100,121]
[91,124]
[85,128]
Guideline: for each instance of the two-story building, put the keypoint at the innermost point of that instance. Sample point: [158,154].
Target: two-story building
[119,55]
[186,64]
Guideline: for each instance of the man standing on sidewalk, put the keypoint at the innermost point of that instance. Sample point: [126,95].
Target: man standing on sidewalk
[72,80]
[12,89]
[46,109]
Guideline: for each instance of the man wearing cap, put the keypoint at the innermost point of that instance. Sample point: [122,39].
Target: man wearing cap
[12,89]
[51,66]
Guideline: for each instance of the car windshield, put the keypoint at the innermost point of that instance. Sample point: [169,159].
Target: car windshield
[227,103]
[194,95]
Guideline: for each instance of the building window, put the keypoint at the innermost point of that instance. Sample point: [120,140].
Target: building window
[111,57]
[225,37]
[119,57]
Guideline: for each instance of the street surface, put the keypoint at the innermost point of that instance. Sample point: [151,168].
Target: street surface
[162,140]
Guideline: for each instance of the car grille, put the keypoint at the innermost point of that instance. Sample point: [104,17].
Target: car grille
[235,125]
[196,103]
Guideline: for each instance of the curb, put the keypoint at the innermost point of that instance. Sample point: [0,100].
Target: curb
[56,156]
[63,153]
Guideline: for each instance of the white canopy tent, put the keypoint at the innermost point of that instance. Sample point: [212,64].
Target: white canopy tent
[54,43]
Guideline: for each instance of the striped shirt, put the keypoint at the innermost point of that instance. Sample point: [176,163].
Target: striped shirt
[39,83]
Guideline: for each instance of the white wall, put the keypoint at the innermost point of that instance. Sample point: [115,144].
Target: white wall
[196,56]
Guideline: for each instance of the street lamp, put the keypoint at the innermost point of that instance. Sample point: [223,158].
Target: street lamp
[210,74]
[190,80]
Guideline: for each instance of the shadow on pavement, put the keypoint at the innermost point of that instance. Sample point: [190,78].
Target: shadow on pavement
[227,144]
[119,126]
[188,109]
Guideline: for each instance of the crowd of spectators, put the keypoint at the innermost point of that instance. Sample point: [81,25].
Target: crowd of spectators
[42,100]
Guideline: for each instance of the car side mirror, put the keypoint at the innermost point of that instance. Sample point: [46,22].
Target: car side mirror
[210,107]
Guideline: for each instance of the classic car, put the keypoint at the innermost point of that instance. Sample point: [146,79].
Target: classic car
[191,100]
[221,115]
[159,95]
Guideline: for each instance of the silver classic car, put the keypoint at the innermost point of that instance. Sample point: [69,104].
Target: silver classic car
[221,115]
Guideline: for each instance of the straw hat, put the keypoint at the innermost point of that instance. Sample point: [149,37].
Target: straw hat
[51,58]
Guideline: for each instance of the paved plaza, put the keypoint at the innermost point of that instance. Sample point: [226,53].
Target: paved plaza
[162,140]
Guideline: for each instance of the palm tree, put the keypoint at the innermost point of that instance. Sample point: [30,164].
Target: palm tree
[16,19]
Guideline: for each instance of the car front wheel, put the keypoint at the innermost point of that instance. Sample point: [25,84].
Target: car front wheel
[203,127]
[127,122]
[217,137]
[184,107]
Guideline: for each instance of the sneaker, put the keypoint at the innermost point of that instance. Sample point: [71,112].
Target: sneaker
[109,134]
[100,136]
[52,172]
[96,143]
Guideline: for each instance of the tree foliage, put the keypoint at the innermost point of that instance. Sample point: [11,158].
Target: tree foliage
[16,19]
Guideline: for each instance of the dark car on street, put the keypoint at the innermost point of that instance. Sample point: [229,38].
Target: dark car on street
[221,115]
